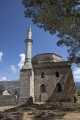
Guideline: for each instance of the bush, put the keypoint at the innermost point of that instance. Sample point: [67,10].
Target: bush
[78,92]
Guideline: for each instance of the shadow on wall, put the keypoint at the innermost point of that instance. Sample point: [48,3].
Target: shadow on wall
[64,90]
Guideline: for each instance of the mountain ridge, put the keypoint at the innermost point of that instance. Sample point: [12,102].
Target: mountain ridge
[14,85]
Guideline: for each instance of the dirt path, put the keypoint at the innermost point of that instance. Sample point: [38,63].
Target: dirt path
[68,116]
[2,108]
[42,111]
[54,111]
[72,116]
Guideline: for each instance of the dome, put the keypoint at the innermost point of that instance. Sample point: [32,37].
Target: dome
[46,57]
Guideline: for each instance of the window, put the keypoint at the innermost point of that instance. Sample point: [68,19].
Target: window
[57,74]
[42,75]
[58,87]
[42,88]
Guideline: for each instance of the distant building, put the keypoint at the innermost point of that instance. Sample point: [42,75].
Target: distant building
[45,77]
[6,92]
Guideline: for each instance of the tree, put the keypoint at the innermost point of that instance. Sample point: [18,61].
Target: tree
[1,89]
[61,17]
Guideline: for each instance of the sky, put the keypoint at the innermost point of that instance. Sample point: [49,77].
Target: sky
[13,32]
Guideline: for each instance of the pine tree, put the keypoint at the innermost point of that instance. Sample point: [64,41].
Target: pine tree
[61,17]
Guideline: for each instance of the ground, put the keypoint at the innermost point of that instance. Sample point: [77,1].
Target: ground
[46,111]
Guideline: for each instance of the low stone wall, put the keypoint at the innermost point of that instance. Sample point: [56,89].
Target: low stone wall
[8,100]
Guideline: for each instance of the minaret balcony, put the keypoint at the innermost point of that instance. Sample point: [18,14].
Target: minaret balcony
[28,40]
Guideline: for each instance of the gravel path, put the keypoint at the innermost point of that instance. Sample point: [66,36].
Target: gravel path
[51,111]
[54,111]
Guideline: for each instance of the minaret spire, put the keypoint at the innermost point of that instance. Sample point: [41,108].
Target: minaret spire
[28,54]
[29,33]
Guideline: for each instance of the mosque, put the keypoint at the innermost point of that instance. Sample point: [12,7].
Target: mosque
[45,77]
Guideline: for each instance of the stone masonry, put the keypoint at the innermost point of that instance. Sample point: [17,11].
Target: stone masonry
[27,73]
[45,77]
[50,80]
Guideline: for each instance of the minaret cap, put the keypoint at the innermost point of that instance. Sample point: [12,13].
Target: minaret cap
[29,29]
[29,33]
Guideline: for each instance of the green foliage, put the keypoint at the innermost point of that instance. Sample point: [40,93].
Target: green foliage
[61,17]
[2,87]
[74,48]
[77,84]
[78,92]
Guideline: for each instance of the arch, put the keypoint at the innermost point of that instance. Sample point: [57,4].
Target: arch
[57,74]
[42,88]
[58,87]
[42,75]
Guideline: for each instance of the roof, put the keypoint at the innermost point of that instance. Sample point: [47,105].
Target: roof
[46,57]
[48,54]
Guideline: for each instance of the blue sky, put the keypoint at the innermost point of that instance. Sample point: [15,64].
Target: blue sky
[13,32]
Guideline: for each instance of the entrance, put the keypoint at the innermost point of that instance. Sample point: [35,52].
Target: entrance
[43,95]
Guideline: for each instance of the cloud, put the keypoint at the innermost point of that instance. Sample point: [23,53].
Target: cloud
[76,74]
[13,68]
[16,69]
[77,71]
[22,59]
[3,79]
[78,77]
[1,54]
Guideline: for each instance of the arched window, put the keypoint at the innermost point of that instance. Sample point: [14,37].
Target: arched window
[42,75]
[57,74]
[58,87]
[42,88]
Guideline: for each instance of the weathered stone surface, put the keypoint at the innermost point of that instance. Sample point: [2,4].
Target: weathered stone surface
[26,84]
[46,57]
[8,100]
[65,79]
[30,81]
[27,65]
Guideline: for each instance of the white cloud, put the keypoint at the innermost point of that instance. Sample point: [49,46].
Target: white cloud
[76,74]
[21,62]
[78,77]
[1,54]
[77,71]
[13,68]
[3,79]
[16,69]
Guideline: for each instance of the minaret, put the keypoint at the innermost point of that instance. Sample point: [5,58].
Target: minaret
[27,73]
[28,54]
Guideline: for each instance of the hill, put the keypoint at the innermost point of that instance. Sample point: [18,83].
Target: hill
[12,86]
[77,84]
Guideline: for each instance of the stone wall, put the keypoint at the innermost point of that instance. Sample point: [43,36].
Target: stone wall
[65,79]
[26,84]
[8,100]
